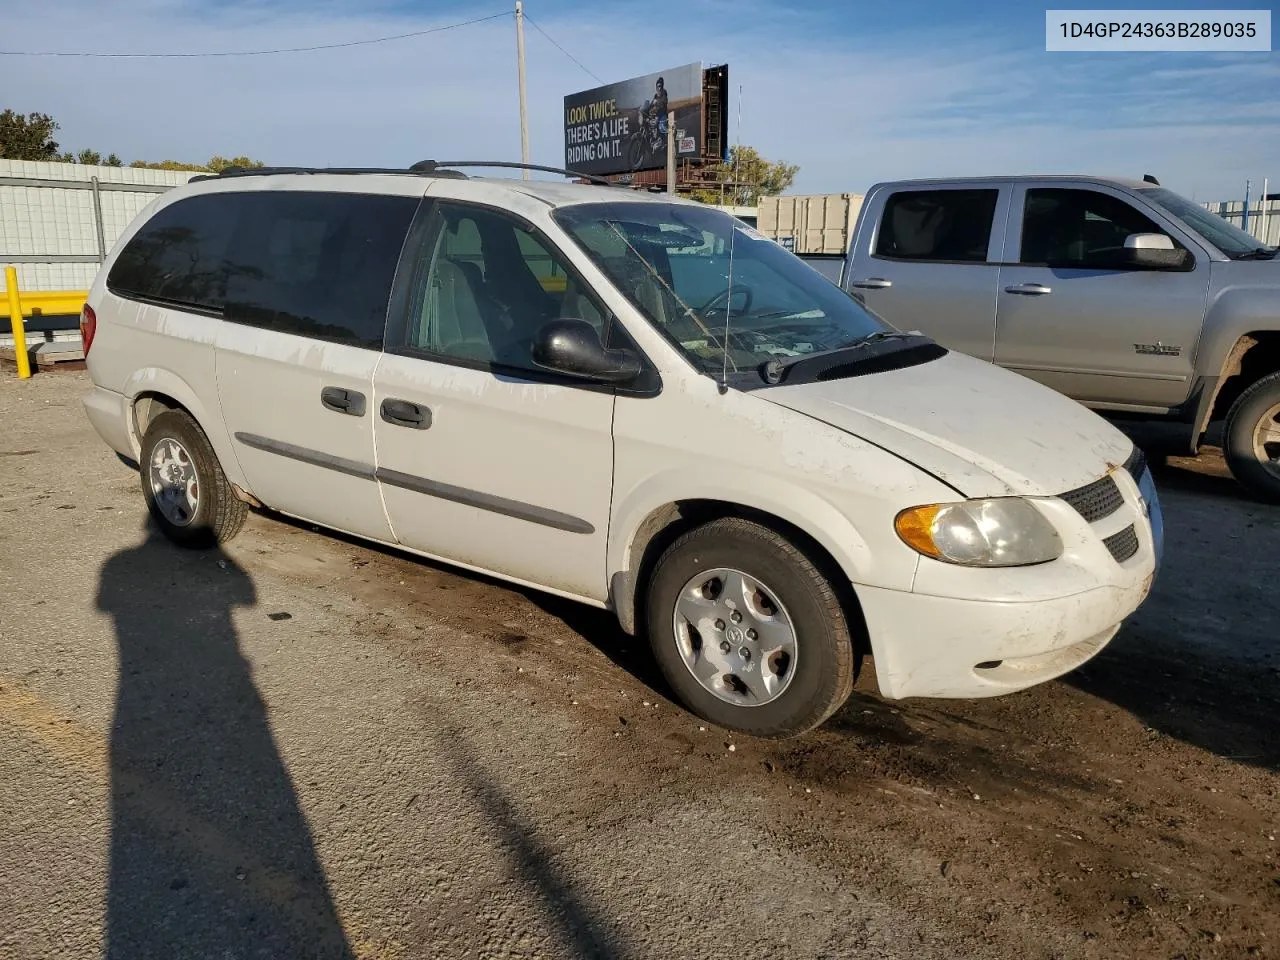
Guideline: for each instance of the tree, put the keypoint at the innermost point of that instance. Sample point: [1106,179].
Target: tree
[91,157]
[744,178]
[27,137]
[216,164]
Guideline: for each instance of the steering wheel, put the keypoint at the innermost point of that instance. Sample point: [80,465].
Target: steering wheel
[726,294]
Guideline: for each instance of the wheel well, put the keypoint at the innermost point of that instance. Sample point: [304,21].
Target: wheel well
[148,406]
[1254,356]
[671,521]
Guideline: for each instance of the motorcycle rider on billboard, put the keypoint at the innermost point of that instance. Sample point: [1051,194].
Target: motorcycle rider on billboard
[657,106]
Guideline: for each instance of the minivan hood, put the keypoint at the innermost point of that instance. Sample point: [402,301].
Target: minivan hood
[983,430]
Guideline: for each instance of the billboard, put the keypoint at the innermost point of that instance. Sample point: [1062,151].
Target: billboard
[622,127]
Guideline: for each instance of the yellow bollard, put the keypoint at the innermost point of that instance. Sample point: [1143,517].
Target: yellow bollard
[15,321]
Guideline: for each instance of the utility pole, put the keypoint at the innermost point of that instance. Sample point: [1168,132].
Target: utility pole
[524,107]
[1245,224]
[671,153]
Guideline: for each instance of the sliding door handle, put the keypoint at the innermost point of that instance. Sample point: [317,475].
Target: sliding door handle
[341,400]
[403,413]
[872,283]
[1028,289]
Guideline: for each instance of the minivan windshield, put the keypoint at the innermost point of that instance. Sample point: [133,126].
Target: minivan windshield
[1226,236]
[698,272]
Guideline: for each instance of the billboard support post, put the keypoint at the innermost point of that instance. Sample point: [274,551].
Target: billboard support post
[671,151]
[524,110]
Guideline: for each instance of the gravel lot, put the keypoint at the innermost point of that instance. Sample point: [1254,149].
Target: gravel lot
[307,747]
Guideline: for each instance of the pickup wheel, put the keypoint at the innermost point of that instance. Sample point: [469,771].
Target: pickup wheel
[186,491]
[1252,438]
[748,631]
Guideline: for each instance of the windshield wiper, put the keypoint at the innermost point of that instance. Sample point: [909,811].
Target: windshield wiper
[772,371]
[1261,253]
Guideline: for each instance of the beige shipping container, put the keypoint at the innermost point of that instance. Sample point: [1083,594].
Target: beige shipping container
[819,223]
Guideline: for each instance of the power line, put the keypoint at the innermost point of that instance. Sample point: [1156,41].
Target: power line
[530,21]
[253,53]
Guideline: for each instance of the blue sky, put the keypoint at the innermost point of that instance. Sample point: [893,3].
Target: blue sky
[852,93]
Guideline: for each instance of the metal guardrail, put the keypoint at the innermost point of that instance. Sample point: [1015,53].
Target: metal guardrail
[36,303]
[17,305]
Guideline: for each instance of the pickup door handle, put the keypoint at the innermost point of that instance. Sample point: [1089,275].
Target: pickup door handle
[341,400]
[1028,289]
[872,283]
[402,413]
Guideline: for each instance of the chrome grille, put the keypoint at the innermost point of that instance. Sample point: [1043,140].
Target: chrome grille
[1095,501]
[1123,545]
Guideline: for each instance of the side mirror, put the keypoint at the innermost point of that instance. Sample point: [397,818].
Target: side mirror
[573,348]
[1154,251]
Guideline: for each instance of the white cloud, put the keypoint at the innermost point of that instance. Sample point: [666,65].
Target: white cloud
[850,109]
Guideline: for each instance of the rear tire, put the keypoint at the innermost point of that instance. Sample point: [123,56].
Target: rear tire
[1253,458]
[791,590]
[187,493]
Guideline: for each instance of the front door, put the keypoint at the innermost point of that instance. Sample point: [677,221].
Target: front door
[308,280]
[931,264]
[483,459]
[1072,316]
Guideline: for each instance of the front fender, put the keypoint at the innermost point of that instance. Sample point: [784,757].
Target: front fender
[801,508]
[1234,314]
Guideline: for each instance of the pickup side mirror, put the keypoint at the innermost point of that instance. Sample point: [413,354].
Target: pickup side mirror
[573,348]
[1154,251]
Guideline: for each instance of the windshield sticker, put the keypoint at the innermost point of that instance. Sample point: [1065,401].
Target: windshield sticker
[750,232]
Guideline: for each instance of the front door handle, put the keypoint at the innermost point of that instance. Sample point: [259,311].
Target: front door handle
[872,283]
[402,413]
[1028,289]
[341,400]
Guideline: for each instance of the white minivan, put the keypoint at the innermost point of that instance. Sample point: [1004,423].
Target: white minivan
[633,401]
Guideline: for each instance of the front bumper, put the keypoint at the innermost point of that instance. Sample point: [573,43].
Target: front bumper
[967,632]
[943,647]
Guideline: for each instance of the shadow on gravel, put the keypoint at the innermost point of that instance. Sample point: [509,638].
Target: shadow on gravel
[1227,707]
[583,931]
[1200,660]
[600,629]
[210,855]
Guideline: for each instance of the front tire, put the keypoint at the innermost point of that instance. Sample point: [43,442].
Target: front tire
[1252,438]
[187,493]
[748,631]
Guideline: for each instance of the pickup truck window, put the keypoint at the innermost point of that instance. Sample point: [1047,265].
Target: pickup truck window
[1227,237]
[952,226]
[1079,228]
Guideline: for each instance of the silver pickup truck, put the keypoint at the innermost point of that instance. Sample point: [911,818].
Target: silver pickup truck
[1121,294]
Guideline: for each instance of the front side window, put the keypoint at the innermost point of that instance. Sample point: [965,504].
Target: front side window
[485,286]
[952,226]
[176,257]
[317,264]
[705,280]
[1081,229]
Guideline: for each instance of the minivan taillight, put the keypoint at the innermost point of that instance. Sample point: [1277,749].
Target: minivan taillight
[88,327]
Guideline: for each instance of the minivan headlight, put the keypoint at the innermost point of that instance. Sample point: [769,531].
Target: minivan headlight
[1001,532]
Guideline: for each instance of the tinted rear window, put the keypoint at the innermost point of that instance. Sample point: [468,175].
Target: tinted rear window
[177,256]
[317,264]
[946,225]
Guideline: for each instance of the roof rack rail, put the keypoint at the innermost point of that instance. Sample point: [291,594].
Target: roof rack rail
[439,166]
[423,168]
[415,170]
